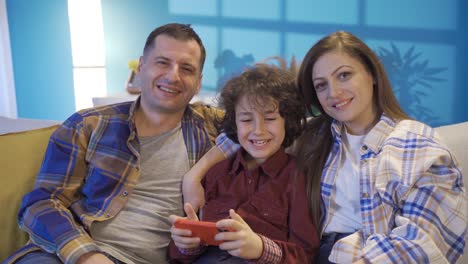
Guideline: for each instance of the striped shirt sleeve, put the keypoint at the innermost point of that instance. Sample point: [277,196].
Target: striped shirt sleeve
[272,253]
[56,188]
[192,251]
[428,221]
[227,146]
[73,250]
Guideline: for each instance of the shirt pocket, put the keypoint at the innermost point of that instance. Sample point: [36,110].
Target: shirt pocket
[215,210]
[271,212]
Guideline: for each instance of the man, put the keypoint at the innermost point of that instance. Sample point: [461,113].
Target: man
[112,175]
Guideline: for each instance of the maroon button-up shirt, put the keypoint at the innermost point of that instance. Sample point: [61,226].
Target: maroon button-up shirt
[270,198]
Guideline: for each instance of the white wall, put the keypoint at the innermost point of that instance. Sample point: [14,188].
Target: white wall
[7,85]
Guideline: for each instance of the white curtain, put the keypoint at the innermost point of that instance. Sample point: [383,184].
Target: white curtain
[7,86]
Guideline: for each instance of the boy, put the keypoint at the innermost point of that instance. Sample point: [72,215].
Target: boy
[258,194]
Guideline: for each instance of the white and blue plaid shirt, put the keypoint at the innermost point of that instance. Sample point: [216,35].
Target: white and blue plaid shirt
[413,204]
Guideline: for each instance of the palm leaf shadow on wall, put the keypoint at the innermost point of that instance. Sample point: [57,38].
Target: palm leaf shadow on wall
[412,80]
[230,65]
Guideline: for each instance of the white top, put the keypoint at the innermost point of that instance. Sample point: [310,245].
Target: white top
[347,218]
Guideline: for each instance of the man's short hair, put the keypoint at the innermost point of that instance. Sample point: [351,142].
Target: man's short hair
[183,32]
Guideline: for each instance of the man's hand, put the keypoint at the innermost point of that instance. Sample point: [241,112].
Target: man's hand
[182,237]
[243,242]
[94,258]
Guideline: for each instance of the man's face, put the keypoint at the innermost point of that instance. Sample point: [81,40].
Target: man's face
[170,75]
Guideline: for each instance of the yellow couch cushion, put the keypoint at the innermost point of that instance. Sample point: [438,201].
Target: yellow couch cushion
[20,158]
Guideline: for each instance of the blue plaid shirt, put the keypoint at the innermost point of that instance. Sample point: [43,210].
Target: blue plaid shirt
[91,165]
[413,204]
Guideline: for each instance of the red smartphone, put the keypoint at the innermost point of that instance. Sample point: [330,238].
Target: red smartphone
[204,230]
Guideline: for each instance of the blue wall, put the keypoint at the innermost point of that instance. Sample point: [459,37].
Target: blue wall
[127,23]
[41,53]
[422,43]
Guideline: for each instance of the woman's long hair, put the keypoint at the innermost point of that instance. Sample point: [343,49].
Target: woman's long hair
[315,144]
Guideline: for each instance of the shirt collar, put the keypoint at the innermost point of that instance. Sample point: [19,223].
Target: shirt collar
[271,167]
[194,113]
[190,114]
[375,138]
[135,105]
[131,119]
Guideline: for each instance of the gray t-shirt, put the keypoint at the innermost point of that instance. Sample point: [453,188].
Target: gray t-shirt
[140,232]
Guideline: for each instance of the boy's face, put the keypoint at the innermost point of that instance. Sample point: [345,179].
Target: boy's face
[260,127]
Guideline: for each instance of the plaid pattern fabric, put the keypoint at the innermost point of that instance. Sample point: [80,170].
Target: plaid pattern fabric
[413,204]
[272,253]
[228,146]
[196,251]
[91,165]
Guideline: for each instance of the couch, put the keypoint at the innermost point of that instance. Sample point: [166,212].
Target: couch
[23,143]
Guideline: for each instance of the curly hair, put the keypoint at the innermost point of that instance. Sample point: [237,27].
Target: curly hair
[264,84]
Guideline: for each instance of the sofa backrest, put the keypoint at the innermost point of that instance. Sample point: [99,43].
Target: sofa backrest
[20,158]
[456,138]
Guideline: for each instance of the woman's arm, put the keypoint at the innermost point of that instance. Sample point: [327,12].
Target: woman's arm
[428,223]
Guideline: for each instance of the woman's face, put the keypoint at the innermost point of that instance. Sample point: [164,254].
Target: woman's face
[345,90]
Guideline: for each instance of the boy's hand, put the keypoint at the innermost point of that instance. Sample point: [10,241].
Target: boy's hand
[182,237]
[242,242]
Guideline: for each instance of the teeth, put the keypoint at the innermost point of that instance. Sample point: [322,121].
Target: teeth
[259,142]
[167,90]
[341,104]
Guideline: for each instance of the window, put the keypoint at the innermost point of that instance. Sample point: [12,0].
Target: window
[87,40]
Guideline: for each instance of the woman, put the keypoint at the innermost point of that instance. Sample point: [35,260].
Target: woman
[390,190]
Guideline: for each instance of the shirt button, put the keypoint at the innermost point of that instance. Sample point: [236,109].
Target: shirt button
[364,147]
[124,193]
[249,181]
[365,195]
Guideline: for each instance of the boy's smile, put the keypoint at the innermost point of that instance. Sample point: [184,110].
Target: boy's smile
[260,127]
